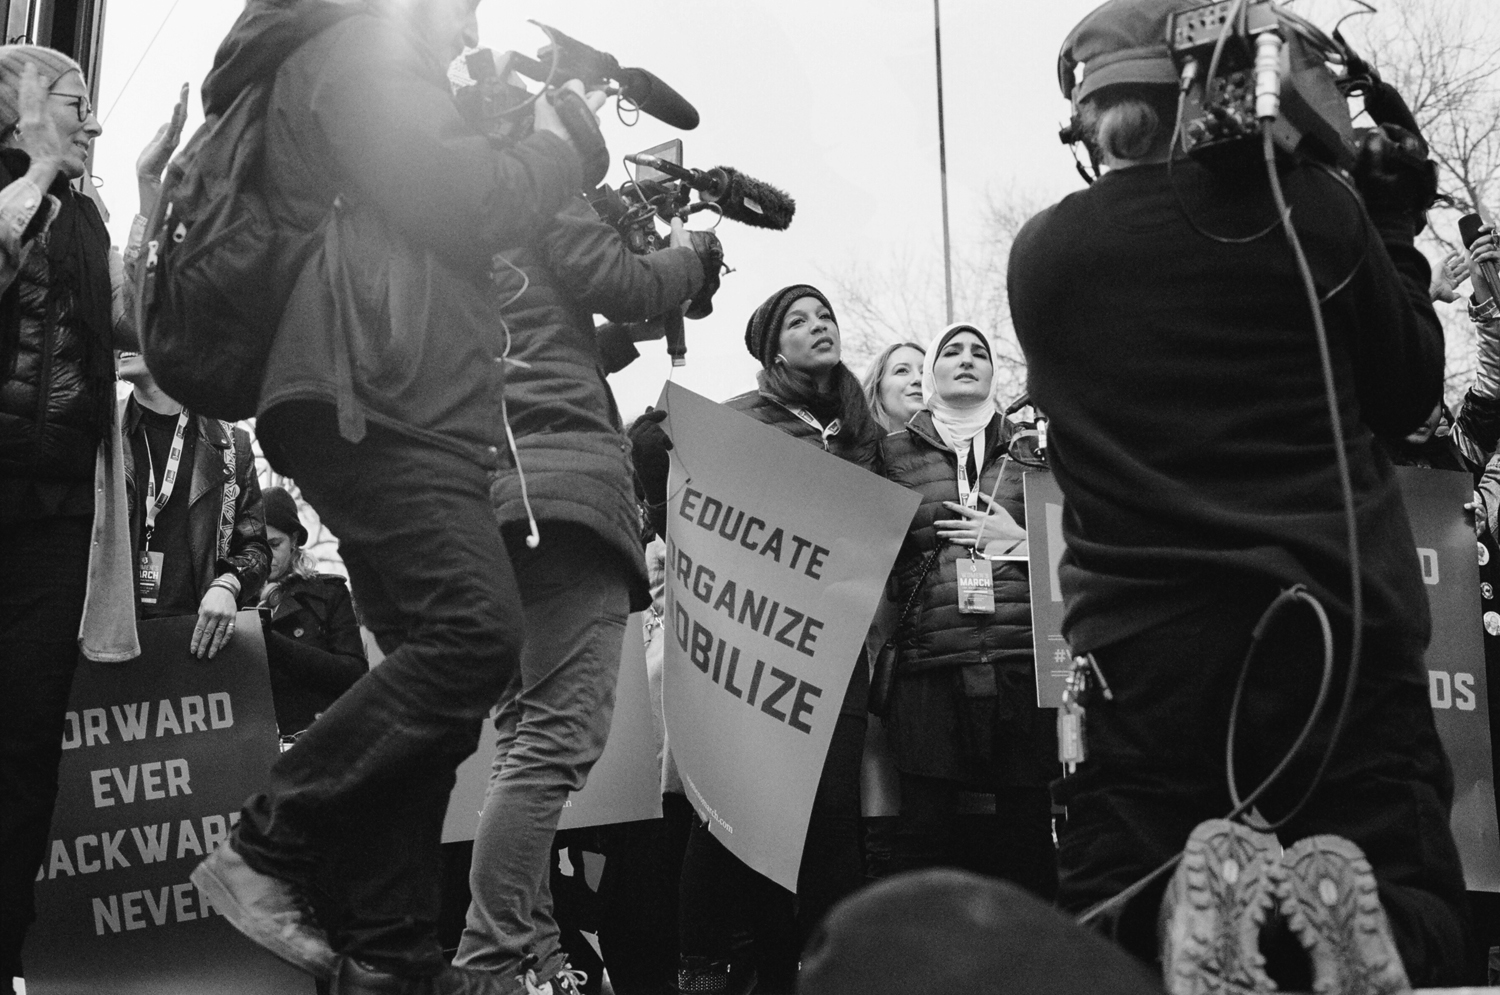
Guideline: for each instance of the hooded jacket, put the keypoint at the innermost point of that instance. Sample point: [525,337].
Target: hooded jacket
[405,204]
[570,441]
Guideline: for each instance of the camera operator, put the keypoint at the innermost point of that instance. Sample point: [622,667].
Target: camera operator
[566,504]
[1191,438]
[380,398]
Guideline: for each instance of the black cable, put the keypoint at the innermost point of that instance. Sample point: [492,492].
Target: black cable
[1341,459]
[1177,192]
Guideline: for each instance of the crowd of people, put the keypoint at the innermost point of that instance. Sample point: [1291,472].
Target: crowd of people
[436,388]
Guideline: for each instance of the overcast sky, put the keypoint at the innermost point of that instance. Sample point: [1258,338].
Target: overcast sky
[830,100]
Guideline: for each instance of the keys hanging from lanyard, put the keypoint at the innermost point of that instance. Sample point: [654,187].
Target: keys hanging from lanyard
[156,502]
[1072,748]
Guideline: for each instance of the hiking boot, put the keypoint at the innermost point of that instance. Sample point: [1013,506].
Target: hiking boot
[272,912]
[356,978]
[1328,898]
[1214,908]
[701,976]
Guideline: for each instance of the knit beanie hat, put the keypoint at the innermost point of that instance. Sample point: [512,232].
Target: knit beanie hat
[763,331]
[281,513]
[50,64]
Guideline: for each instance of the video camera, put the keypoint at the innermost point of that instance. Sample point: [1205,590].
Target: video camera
[1239,60]
[496,101]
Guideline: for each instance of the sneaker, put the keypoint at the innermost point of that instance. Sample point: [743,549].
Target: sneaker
[356,978]
[569,980]
[1328,898]
[1214,908]
[272,912]
[701,976]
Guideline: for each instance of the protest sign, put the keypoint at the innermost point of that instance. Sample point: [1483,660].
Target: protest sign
[625,784]
[1044,540]
[158,756]
[777,553]
[1446,553]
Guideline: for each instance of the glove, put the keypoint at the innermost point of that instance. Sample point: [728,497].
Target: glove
[583,129]
[1394,174]
[711,255]
[649,445]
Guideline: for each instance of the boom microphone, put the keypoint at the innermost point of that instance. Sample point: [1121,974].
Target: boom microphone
[741,198]
[650,94]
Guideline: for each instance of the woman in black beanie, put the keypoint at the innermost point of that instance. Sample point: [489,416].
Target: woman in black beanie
[806,391]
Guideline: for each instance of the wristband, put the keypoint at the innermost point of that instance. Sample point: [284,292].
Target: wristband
[1486,312]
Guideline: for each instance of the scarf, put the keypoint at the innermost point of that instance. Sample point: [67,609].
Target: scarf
[957,426]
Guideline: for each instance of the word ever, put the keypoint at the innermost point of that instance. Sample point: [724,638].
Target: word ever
[715,657]
[714,516]
[798,630]
[132,721]
[157,780]
[149,844]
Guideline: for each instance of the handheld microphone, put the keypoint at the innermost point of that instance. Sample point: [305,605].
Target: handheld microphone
[741,198]
[1468,230]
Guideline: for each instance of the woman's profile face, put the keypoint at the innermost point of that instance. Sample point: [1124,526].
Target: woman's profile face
[281,552]
[900,388]
[810,340]
[963,371]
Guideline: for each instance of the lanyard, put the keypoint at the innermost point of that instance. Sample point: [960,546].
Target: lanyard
[156,502]
[827,432]
[967,496]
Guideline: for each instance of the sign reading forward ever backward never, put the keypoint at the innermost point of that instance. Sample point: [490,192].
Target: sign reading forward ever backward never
[159,753]
[1446,554]
[777,553]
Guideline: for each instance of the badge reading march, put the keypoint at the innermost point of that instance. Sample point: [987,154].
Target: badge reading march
[148,576]
[976,587]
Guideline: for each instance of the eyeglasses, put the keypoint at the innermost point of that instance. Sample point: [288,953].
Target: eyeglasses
[80,104]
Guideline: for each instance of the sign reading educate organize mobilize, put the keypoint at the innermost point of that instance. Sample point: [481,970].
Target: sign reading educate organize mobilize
[159,753]
[777,554]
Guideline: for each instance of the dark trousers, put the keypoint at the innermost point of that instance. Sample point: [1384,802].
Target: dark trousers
[355,809]
[721,896]
[1019,848]
[638,895]
[1156,769]
[43,569]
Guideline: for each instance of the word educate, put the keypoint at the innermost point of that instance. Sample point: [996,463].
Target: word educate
[715,516]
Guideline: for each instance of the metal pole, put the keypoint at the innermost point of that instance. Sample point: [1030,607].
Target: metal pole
[937,32]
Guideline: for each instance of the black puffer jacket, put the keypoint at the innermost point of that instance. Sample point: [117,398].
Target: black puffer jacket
[49,416]
[768,410]
[572,445]
[313,648]
[935,633]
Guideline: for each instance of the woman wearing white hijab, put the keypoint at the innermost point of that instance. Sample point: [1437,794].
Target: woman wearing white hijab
[962,713]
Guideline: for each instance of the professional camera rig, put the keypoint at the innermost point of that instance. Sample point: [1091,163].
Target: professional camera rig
[496,101]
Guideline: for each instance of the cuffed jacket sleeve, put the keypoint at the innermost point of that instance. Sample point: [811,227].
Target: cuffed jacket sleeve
[249,554]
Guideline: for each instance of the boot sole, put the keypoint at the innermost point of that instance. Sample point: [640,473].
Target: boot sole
[1330,901]
[254,928]
[1225,887]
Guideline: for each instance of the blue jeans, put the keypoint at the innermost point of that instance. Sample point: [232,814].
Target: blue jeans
[552,723]
[354,812]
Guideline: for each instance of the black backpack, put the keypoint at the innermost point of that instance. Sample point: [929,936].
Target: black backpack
[217,268]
